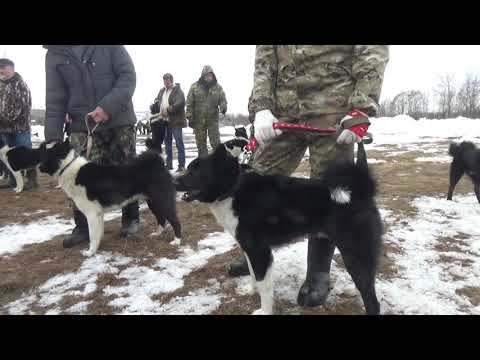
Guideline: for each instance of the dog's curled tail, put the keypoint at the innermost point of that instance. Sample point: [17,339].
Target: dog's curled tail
[349,182]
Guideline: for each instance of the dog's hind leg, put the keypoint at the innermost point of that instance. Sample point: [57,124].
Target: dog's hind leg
[260,264]
[158,215]
[456,172]
[95,229]
[360,258]
[165,208]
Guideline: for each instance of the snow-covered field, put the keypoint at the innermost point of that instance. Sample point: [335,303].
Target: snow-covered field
[425,281]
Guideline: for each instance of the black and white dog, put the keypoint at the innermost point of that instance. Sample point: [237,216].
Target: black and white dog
[96,188]
[466,159]
[262,212]
[17,159]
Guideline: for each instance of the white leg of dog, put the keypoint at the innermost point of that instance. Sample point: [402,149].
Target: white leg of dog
[253,280]
[16,174]
[95,231]
[265,289]
[19,180]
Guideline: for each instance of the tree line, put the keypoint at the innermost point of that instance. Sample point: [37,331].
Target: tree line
[448,100]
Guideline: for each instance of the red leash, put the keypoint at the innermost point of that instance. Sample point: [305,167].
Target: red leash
[252,145]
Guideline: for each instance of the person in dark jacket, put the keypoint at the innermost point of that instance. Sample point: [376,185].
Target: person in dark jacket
[93,85]
[170,103]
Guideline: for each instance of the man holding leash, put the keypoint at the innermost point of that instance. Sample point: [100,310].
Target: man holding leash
[322,86]
[94,85]
[15,120]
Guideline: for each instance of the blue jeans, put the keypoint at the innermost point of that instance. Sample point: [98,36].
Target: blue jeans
[178,135]
[16,139]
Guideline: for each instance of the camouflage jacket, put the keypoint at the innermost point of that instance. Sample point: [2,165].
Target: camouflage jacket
[303,82]
[204,103]
[15,105]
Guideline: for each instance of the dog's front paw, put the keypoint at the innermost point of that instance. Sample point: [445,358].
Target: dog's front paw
[18,190]
[88,253]
[176,242]
[260,312]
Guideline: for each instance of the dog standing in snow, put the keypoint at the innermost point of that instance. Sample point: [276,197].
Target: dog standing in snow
[96,188]
[262,212]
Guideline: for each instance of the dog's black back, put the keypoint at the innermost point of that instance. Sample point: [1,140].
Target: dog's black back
[466,159]
[112,184]
[21,158]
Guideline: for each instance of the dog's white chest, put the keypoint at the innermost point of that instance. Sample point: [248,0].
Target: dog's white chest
[223,212]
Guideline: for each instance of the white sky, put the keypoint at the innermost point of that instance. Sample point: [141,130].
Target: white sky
[411,67]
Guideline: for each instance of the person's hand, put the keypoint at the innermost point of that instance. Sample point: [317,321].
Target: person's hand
[155,108]
[99,115]
[264,131]
[355,133]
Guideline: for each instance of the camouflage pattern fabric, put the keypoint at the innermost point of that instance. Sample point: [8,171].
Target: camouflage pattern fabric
[109,147]
[204,103]
[303,82]
[210,129]
[15,105]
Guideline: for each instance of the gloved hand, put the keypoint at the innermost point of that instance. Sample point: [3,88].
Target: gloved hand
[355,133]
[264,131]
[155,108]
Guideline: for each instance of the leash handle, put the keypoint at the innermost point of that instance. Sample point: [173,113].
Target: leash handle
[89,135]
[288,126]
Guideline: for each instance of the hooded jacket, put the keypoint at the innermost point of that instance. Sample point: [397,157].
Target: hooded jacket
[15,105]
[205,101]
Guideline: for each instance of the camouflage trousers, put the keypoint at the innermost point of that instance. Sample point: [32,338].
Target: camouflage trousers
[283,154]
[203,129]
[109,147]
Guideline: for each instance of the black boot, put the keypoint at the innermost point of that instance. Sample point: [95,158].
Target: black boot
[316,287]
[31,179]
[130,220]
[80,232]
[239,267]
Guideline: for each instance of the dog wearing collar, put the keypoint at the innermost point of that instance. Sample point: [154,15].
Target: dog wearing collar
[262,212]
[97,188]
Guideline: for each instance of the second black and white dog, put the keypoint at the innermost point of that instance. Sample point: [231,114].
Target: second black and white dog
[262,212]
[17,159]
[96,188]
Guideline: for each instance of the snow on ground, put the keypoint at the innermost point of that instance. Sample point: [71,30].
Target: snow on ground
[140,283]
[426,283]
[14,237]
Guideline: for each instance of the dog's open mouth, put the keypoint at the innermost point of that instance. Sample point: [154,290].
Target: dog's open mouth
[190,196]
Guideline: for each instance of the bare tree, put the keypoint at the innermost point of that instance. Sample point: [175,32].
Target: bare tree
[468,97]
[446,95]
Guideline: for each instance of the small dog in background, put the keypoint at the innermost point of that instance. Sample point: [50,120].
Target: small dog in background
[466,159]
[16,159]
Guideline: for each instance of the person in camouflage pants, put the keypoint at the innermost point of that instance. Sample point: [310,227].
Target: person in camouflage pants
[93,82]
[204,101]
[321,86]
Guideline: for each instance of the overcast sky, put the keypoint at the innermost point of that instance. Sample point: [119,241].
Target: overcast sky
[411,67]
